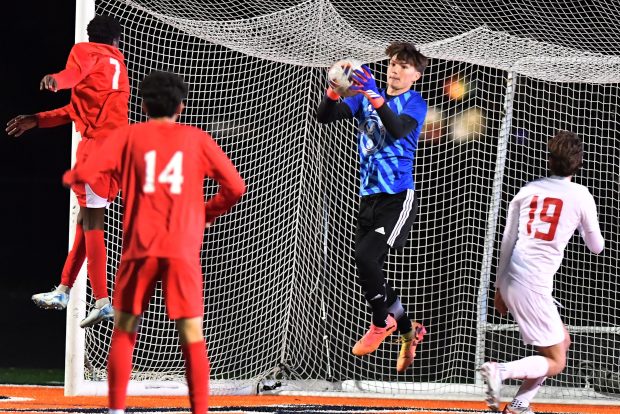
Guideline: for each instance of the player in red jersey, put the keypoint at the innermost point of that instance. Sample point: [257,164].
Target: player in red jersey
[161,166]
[97,76]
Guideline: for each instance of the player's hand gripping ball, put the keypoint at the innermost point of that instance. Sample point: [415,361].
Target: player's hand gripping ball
[339,76]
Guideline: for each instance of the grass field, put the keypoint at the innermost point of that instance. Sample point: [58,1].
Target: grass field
[31,376]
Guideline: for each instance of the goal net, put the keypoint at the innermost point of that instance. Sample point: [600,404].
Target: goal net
[282,309]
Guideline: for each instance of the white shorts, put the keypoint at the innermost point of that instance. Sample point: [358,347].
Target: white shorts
[93,200]
[536,314]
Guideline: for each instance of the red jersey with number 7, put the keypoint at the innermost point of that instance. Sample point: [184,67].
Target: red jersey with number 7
[161,167]
[97,76]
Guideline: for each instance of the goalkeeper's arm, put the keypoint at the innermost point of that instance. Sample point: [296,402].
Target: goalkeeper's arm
[397,125]
[330,110]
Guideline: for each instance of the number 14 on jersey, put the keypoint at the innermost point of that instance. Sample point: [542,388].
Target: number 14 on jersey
[171,174]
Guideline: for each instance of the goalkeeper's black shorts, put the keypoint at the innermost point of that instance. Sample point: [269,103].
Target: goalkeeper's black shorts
[390,215]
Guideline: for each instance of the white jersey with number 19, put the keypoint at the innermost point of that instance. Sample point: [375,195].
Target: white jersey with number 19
[542,218]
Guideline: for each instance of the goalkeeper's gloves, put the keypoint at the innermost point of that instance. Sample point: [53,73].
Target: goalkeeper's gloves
[364,82]
[331,91]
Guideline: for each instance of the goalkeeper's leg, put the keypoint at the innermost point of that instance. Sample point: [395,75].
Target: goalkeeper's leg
[411,332]
[370,253]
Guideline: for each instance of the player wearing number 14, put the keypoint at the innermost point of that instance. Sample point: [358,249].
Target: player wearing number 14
[542,218]
[161,166]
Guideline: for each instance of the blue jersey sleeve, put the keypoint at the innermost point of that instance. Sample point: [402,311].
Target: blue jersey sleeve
[416,108]
[355,103]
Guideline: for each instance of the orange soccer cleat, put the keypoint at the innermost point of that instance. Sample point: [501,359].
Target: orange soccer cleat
[408,346]
[373,338]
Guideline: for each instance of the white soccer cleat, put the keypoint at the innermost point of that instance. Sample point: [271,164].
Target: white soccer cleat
[96,315]
[508,409]
[51,300]
[491,376]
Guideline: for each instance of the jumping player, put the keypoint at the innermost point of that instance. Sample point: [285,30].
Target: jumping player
[389,121]
[97,76]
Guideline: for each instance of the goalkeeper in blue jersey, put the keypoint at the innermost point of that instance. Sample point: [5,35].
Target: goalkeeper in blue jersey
[389,120]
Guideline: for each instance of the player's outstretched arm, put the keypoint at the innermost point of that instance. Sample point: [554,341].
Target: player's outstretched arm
[79,65]
[20,124]
[48,83]
[55,117]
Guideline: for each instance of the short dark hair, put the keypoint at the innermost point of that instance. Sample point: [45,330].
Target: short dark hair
[565,153]
[162,92]
[407,52]
[104,29]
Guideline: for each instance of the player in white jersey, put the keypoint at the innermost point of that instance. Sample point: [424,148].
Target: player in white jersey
[542,218]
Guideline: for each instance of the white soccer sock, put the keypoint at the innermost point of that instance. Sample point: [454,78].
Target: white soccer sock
[527,392]
[527,368]
[63,288]
[111,411]
[397,309]
[100,303]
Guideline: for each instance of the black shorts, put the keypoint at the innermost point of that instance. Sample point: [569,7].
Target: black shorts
[390,215]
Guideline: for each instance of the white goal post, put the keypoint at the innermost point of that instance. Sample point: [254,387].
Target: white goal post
[282,308]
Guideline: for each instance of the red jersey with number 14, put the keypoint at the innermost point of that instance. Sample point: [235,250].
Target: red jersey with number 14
[161,167]
[97,75]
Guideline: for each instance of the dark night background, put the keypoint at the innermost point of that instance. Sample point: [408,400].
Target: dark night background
[36,40]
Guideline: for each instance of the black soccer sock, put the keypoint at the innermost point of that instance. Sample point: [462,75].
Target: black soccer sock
[404,325]
[379,310]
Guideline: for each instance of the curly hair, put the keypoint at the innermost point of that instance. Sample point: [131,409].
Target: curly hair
[565,153]
[407,52]
[104,29]
[162,92]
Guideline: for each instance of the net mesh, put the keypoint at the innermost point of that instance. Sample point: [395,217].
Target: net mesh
[281,301]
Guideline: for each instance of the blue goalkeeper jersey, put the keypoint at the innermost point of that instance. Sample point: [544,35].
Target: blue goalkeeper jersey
[386,162]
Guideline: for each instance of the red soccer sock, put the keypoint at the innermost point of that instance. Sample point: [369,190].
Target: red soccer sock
[119,367]
[75,258]
[97,261]
[197,374]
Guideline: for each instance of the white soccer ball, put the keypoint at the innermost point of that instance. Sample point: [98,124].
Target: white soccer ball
[340,74]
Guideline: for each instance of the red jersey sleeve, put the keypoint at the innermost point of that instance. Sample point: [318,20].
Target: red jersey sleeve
[55,117]
[79,64]
[219,168]
[108,160]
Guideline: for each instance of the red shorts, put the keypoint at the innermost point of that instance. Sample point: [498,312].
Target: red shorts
[181,285]
[102,192]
